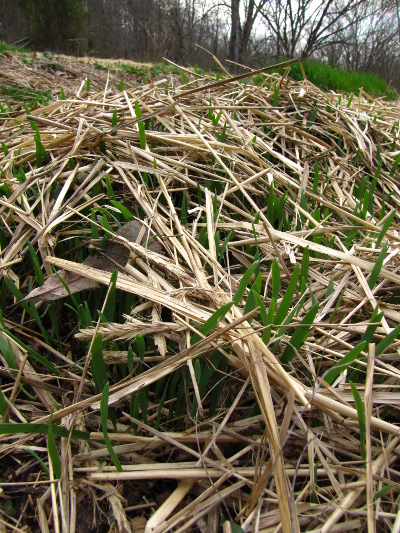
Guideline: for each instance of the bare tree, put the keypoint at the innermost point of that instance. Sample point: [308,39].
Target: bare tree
[241,30]
[370,43]
[355,34]
[302,27]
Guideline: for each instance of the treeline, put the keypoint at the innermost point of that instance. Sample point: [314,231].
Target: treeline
[355,34]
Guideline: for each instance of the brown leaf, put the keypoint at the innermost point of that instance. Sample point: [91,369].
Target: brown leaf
[115,255]
[138,524]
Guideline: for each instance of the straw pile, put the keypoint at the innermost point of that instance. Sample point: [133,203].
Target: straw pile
[244,360]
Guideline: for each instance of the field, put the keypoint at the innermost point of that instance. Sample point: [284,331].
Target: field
[200,301]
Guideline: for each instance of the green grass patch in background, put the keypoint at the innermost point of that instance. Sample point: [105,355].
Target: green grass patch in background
[6,47]
[329,78]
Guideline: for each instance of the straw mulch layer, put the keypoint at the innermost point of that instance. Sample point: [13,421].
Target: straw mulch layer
[39,78]
[233,353]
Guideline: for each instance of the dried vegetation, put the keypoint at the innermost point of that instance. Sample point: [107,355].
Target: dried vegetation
[221,333]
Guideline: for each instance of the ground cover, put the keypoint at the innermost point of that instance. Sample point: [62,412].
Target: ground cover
[199,304]
[330,78]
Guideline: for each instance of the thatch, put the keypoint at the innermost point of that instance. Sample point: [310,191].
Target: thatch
[250,416]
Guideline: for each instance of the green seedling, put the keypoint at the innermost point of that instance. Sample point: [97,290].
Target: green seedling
[361,417]
[104,420]
[344,363]
[53,450]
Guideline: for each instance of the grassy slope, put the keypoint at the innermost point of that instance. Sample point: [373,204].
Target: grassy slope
[336,79]
[326,77]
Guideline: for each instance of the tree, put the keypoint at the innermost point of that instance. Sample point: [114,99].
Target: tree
[53,22]
[303,27]
[241,32]
[371,42]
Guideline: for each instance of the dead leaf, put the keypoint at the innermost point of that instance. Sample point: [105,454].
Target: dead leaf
[138,524]
[115,255]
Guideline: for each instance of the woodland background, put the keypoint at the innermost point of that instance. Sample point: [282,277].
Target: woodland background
[358,35]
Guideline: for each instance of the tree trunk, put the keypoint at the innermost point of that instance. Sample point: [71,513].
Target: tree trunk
[233,41]
[245,35]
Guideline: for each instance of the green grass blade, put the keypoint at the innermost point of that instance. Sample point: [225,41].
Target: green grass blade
[305,264]
[361,417]
[212,322]
[341,365]
[263,314]
[329,289]
[41,429]
[217,240]
[142,133]
[199,194]
[3,404]
[276,279]
[7,353]
[288,320]
[110,192]
[141,347]
[275,101]
[270,205]
[385,228]
[74,301]
[385,342]
[382,492]
[378,267]
[109,309]
[250,304]
[184,210]
[41,462]
[235,528]
[312,117]
[160,408]
[395,165]
[316,177]
[53,450]
[37,357]
[244,283]
[257,284]
[257,256]
[99,369]
[36,264]
[29,308]
[350,100]
[104,419]
[299,336]
[42,157]
[225,244]
[288,297]
[378,169]
[370,331]
[202,237]
[95,231]
[216,118]
[103,220]
[130,359]
[35,315]
[16,292]
[114,119]
[270,319]
[223,134]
